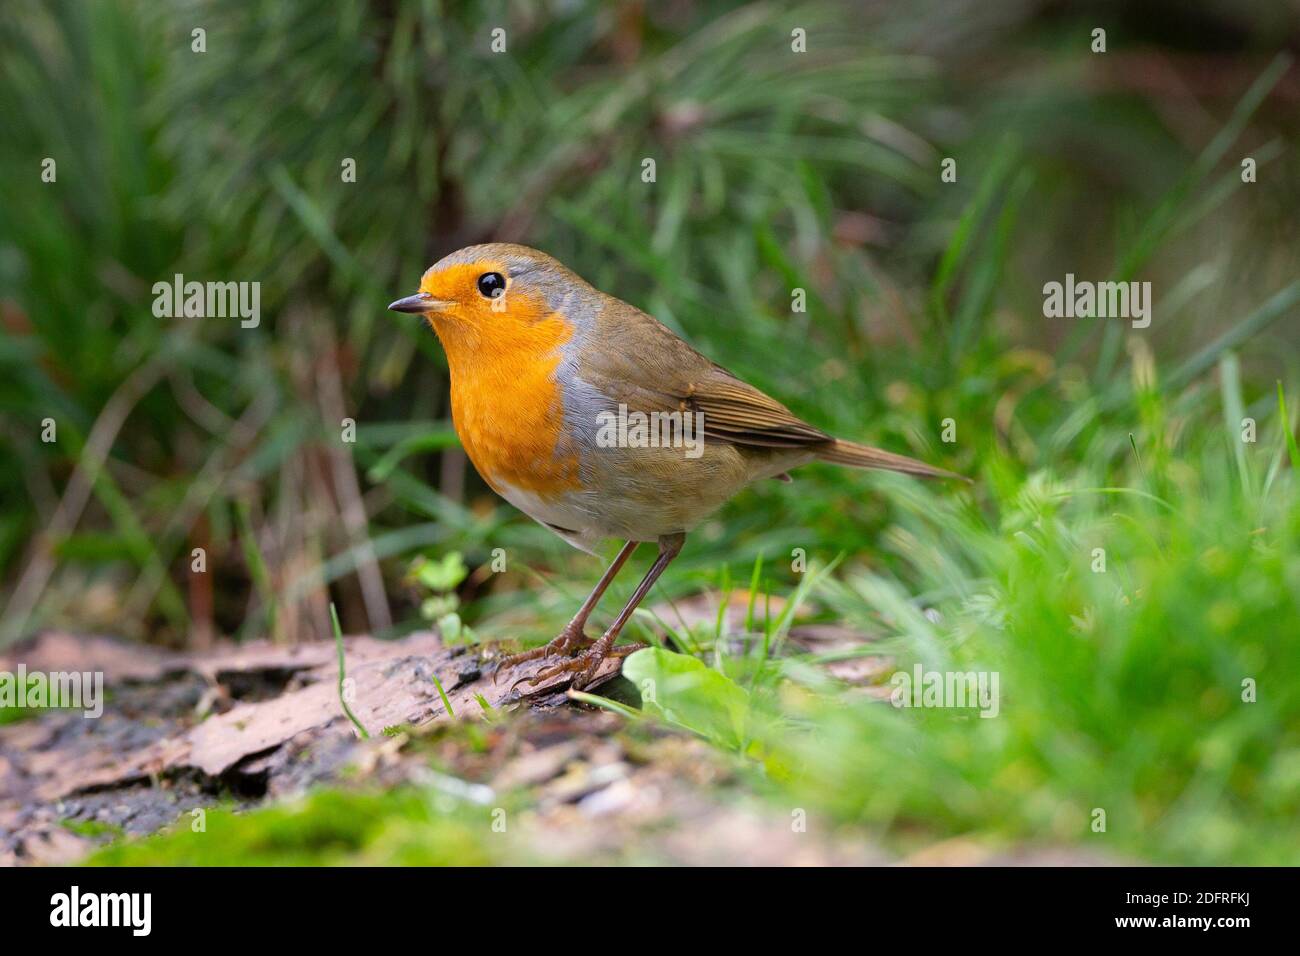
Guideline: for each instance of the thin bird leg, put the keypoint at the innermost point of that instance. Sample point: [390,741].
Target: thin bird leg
[585,665]
[573,634]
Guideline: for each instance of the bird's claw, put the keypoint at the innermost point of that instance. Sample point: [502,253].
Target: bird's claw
[567,640]
[560,646]
[514,660]
[583,666]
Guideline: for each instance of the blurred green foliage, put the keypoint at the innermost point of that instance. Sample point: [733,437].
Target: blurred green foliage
[776,170]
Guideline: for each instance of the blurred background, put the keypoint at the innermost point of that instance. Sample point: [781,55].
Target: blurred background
[775,170]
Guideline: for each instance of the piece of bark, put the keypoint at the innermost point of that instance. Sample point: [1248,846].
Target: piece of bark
[390,683]
[385,692]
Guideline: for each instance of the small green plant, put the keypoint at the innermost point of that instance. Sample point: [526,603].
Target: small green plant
[438,580]
[685,691]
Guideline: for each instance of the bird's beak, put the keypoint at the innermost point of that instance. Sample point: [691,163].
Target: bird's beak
[418,304]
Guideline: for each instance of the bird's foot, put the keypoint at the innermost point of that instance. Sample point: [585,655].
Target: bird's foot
[562,645]
[583,666]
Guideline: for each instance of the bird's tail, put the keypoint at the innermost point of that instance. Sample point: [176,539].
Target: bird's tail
[849,453]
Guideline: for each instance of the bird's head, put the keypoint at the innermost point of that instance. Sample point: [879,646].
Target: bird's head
[490,295]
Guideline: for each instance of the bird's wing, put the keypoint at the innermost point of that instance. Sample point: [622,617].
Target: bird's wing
[737,412]
[642,364]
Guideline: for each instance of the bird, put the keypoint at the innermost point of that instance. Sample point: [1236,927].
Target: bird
[599,422]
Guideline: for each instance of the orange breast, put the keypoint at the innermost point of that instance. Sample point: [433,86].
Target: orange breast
[506,404]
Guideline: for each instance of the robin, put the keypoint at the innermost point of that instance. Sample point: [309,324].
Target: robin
[595,420]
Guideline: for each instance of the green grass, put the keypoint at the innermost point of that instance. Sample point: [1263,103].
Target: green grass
[1164,690]
[343,701]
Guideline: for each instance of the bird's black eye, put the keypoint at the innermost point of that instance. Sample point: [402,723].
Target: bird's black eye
[491,284]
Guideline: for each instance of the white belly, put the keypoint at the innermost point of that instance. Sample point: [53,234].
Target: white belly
[563,514]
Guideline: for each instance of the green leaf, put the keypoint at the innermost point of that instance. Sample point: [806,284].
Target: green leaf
[685,692]
[444,575]
[451,628]
[440,605]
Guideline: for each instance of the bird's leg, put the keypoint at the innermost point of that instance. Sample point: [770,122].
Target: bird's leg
[573,637]
[585,665]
